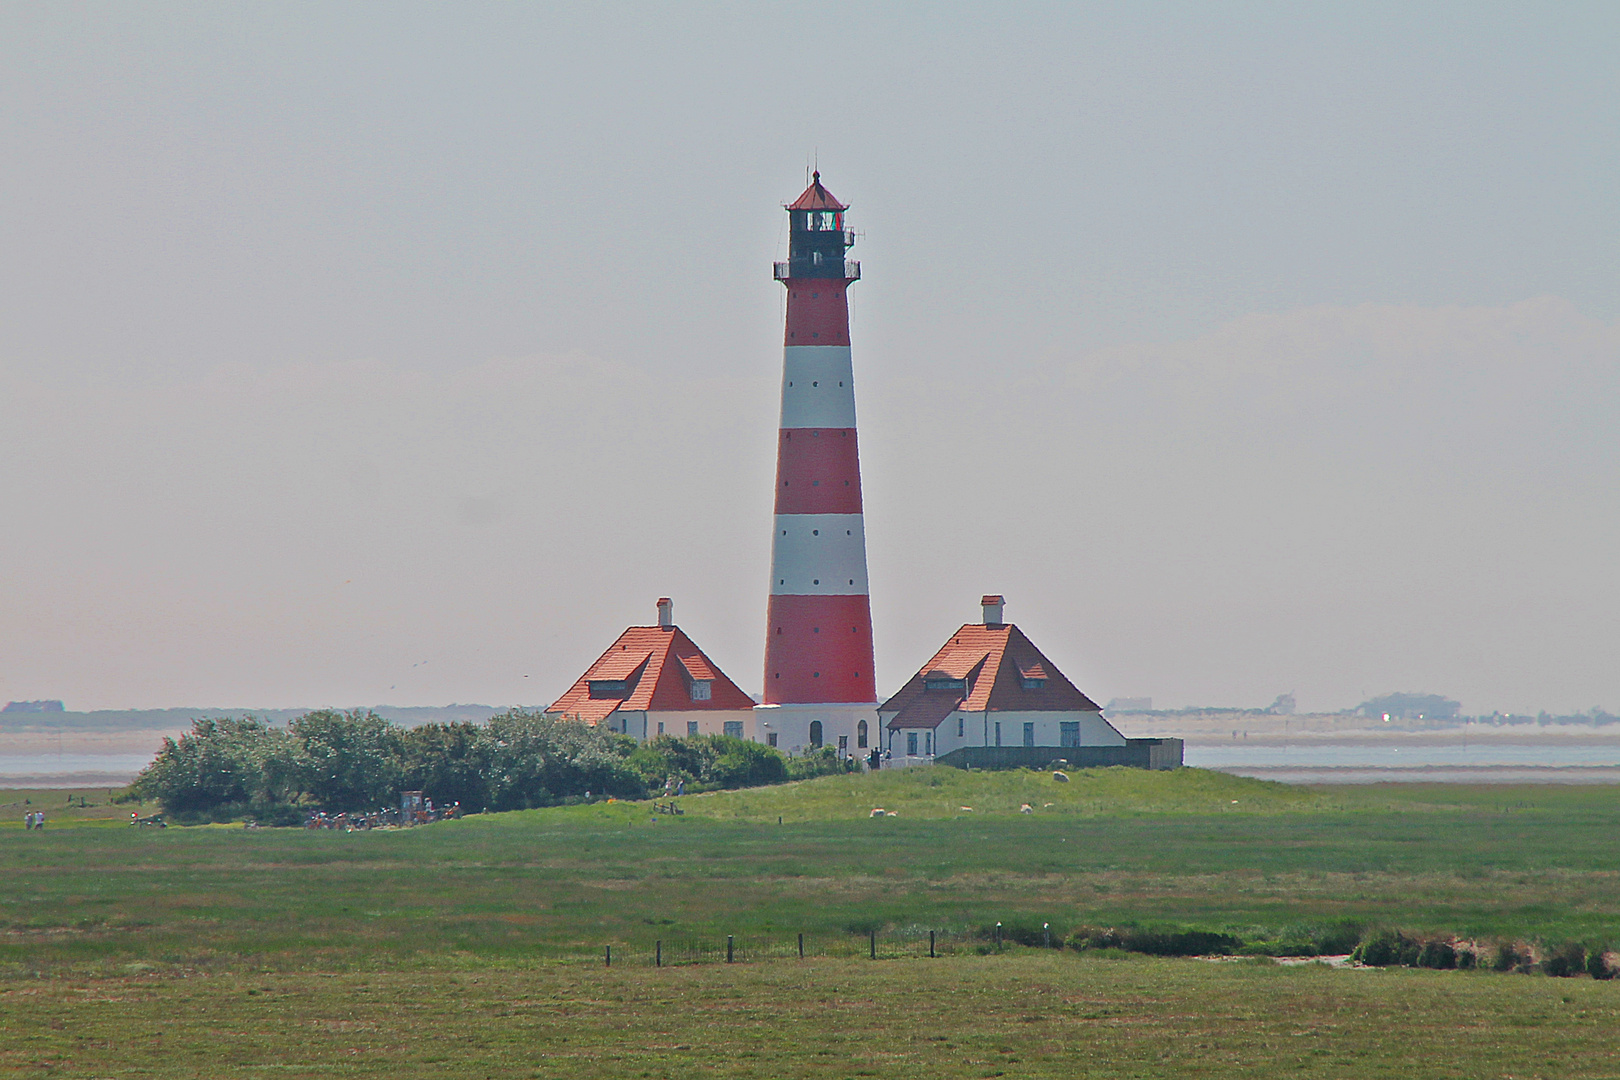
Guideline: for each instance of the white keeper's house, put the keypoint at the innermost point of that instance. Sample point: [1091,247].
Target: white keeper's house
[655,681]
[990,698]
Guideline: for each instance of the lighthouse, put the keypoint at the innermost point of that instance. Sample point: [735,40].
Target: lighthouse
[820,689]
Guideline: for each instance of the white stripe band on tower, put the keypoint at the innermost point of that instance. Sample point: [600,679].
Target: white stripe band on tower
[818,387]
[819,555]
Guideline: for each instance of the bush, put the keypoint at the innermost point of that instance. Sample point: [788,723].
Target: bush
[1387,949]
[822,762]
[1565,961]
[1031,935]
[707,762]
[223,770]
[1466,960]
[349,761]
[1506,958]
[1155,940]
[1439,955]
[223,765]
[1597,965]
[1337,939]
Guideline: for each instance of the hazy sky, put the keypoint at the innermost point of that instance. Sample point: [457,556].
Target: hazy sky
[361,354]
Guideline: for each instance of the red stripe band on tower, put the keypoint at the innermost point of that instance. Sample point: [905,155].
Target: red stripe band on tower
[818,471]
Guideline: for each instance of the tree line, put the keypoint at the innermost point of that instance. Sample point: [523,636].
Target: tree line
[232,768]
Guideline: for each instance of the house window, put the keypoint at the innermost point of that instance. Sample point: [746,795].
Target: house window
[1029,734]
[928,742]
[770,738]
[815,734]
[691,727]
[1070,733]
[660,727]
[733,729]
[911,743]
[959,685]
[609,688]
[1031,683]
[998,732]
[701,689]
[860,735]
[961,726]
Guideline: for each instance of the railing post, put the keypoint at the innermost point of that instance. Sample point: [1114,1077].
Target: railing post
[658,954]
[729,943]
[607,961]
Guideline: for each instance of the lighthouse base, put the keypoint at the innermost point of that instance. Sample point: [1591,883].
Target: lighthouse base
[850,728]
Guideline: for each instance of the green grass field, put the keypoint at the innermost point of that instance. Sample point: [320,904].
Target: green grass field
[475,948]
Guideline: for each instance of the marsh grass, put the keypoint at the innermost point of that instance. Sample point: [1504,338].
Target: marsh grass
[1025,1014]
[476,945]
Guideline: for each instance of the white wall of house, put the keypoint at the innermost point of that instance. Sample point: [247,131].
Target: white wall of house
[791,726]
[645,725]
[980,729]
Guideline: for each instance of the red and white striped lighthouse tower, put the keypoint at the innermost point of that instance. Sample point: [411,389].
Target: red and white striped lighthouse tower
[819,685]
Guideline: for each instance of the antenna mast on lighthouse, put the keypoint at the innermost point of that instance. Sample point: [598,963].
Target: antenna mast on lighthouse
[820,689]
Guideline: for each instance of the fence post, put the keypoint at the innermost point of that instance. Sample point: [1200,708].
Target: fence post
[998,937]
[1046,934]
[658,953]
[607,961]
[930,944]
[801,946]
[729,942]
[874,944]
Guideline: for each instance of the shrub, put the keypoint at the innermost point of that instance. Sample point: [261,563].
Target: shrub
[1387,949]
[707,762]
[1438,955]
[222,766]
[1337,939]
[1029,934]
[822,762]
[1507,957]
[349,761]
[1155,940]
[1466,959]
[1597,965]
[1565,961]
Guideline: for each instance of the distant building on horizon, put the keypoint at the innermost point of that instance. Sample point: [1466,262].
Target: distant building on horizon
[1409,707]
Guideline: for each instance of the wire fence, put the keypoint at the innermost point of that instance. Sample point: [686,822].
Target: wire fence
[887,944]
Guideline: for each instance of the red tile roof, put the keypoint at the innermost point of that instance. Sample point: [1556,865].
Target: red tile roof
[642,657]
[994,661]
[816,197]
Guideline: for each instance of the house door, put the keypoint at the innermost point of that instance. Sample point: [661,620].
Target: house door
[815,734]
[1029,734]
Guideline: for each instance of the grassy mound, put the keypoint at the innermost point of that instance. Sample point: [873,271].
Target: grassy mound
[942,792]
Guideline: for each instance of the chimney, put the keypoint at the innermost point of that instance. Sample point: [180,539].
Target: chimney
[666,612]
[992,609]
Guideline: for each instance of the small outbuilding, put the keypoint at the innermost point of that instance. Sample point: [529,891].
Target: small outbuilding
[655,681]
[990,698]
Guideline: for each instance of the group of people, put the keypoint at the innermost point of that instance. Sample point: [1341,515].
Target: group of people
[383,819]
[34,819]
